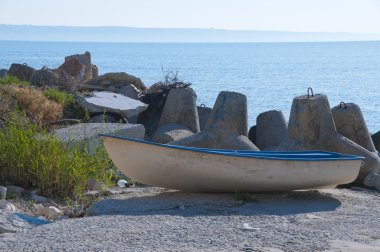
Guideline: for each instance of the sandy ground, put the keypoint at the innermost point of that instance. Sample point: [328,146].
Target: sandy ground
[147,219]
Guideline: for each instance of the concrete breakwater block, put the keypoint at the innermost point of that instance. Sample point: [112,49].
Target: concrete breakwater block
[349,122]
[311,127]
[203,113]
[179,117]
[271,129]
[87,133]
[376,140]
[226,127]
[104,101]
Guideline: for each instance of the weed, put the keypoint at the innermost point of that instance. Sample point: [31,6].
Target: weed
[45,163]
[10,80]
[58,96]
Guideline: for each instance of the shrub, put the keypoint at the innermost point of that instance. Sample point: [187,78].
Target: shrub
[58,96]
[33,159]
[9,80]
[38,108]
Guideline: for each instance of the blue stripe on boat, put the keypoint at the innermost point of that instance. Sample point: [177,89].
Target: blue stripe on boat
[276,155]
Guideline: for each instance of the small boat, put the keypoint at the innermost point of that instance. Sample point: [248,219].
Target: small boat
[209,170]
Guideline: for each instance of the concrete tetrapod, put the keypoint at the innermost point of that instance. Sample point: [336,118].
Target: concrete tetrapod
[271,129]
[226,127]
[179,118]
[349,122]
[311,127]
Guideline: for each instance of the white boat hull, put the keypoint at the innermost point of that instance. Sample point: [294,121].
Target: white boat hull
[198,171]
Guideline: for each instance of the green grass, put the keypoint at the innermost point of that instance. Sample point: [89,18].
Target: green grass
[59,96]
[30,158]
[9,80]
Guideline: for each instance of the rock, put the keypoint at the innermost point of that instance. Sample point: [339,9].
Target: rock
[87,133]
[271,129]
[130,91]
[114,82]
[311,127]
[376,140]
[94,185]
[171,132]
[349,122]
[104,101]
[92,194]
[373,180]
[95,71]
[121,78]
[252,134]
[6,206]
[3,192]
[15,190]
[226,127]
[156,88]
[78,66]
[203,114]
[3,73]
[179,115]
[38,198]
[50,213]
[45,77]
[22,71]
[106,118]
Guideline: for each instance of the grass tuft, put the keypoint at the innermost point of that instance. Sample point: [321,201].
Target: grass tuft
[30,158]
[10,80]
[58,96]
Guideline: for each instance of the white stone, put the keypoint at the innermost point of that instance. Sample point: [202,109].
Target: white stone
[105,101]
[50,212]
[4,205]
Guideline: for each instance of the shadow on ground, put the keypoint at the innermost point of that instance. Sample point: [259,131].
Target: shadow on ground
[193,204]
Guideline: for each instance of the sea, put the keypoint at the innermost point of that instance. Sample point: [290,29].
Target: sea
[269,74]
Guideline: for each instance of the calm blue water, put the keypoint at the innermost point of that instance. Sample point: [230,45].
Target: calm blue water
[270,74]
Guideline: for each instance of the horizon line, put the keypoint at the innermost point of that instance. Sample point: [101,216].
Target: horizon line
[189,28]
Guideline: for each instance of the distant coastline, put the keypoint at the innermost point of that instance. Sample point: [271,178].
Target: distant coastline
[167,35]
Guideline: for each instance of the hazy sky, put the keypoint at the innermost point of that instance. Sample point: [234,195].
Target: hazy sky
[281,15]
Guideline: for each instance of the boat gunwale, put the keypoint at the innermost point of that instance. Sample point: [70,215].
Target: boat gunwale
[315,155]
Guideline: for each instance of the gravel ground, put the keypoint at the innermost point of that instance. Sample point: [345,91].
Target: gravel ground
[147,219]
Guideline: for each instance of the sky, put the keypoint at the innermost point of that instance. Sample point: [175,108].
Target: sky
[354,16]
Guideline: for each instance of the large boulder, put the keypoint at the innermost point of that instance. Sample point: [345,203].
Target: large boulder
[349,122]
[271,129]
[121,83]
[45,77]
[22,71]
[87,133]
[99,102]
[78,66]
[95,71]
[376,140]
[203,113]
[3,73]
[180,110]
[311,127]
[226,127]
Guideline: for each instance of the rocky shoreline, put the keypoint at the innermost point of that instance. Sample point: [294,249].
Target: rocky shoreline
[167,112]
